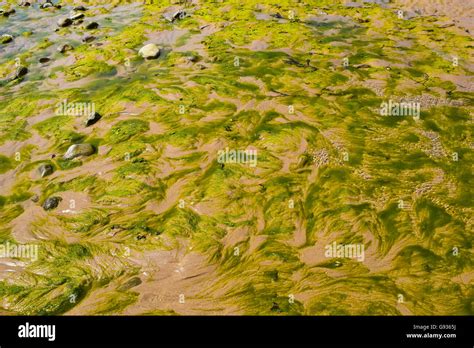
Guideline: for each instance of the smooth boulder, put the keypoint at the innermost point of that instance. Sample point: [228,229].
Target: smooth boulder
[6,38]
[150,51]
[92,119]
[51,203]
[88,38]
[92,25]
[76,16]
[173,16]
[64,22]
[78,150]
[65,48]
[79,8]
[45,170]
[20,71]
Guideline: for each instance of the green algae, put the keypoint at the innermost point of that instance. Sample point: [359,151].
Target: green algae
[387,160]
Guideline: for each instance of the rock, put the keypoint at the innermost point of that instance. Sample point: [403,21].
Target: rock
[277,15]
[43,60]
[135,281]
[180,14]
[78,150]
[149,51]
[92,119]
[47,5]
[88,38]
[24,4]
[275,307]
[19,72]
[92,25]
[65,48]
[35,199]
[192,58]
[76,16]
[7,13]
[79,8]
[6,38]
[51,203]
[362,66]
[64,22]
[45,170]
[171,17]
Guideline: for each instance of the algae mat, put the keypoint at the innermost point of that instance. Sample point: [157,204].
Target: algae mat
[228,157]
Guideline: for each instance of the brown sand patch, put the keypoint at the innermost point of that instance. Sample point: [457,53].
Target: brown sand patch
[461,11]
[464,278]
[164,37]
[236,236]
[172,195]
[172,274]
[7,181]
[255,242]
[205,208]
[156,128]
[257,45]
[99,167]
[61,83]
[73,202]
[299,236]
[194,43]
[25,227]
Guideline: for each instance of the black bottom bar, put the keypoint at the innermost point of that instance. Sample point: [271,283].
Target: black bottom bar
[226,331]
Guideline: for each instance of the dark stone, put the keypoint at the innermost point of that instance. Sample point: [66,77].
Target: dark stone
[135,281]
[65,48]
[80,8]
[181,14]
[6,38]
[277,15]
[7,13]
[35,199]
[24,4]
[44,60]
[64,22]
[275,307]
[19,72]
[76,16]
[92,119]
[51,203]
[192,58]
[45,170]
[88,38]
[362,66]
[171,17]
[92,25]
